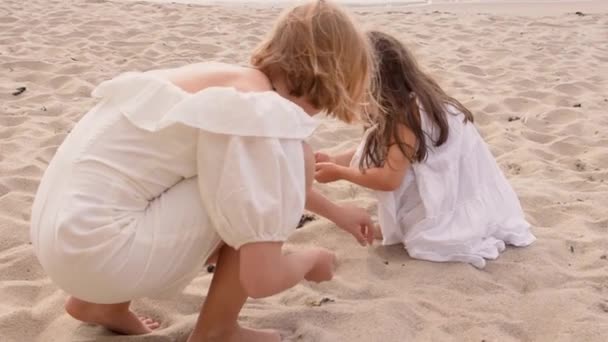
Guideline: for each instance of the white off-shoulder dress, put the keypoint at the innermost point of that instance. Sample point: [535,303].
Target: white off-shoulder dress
[152,179]
[456,205]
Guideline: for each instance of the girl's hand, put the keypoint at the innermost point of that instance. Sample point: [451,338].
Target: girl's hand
[357,222]
[326,172]
[324,267]
[321,157]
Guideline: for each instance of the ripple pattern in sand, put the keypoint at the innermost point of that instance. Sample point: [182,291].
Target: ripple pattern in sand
[539,106]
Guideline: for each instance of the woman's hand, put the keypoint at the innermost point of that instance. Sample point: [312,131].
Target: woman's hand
[354,220]
[324,267]
[357,222]
[326,172]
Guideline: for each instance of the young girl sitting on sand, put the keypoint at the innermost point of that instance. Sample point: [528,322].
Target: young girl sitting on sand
[173,166]
[440,192]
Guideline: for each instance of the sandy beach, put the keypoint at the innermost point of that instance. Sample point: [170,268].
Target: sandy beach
[536,79]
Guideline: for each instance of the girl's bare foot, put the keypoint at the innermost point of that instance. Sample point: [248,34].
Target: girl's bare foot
[115,317]
[239,334]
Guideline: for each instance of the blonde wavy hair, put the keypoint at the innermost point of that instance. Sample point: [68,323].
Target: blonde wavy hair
[323,56]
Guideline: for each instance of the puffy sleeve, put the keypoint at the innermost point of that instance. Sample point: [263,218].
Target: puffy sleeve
[257,192]
[250,162]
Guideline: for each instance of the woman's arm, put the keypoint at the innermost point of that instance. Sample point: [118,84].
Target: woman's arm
[265,270]
[319,204]
[351,219]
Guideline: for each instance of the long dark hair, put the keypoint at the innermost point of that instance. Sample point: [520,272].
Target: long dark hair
[402,88]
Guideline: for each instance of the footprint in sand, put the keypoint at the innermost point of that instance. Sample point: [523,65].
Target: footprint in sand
[562,116]
[492,108]
[542,154]
[580,166]
[603,306]
[569,89]
[538,137]
[11,121]
[207,48]
[519,104]
[8,20]
[567,146]
[514,168]
[59,82]
[534,94]
[3,188]
[526,83]
[472,70]
[29,65]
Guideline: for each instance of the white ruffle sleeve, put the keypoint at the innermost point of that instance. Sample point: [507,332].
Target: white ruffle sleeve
[249,158]
[153,103]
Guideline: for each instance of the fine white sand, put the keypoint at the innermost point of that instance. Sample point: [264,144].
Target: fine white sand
[536,84]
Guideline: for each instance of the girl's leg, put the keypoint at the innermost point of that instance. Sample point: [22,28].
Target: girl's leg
[218,319]
[116,317]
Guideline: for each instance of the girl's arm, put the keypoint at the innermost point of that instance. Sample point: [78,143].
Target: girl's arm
[344,158]
[386,178]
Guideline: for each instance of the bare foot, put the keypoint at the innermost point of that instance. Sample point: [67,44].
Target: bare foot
[241,334]
[115,317]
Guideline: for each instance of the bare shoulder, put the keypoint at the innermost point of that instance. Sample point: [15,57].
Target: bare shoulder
[252,79]
[196,77]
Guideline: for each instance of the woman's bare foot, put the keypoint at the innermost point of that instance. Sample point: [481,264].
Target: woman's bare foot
[115,317]
[240,334]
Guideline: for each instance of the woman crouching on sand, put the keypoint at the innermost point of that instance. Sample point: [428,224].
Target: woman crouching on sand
[176,165]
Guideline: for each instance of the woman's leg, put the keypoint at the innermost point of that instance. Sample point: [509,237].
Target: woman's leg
[116,317]
[171,241]
[218,319]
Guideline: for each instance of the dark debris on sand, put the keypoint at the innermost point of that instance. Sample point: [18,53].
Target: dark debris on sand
[19,91]
[305,219]
[324,300]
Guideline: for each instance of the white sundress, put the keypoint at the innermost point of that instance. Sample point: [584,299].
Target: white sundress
[153,178]
[456,205]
